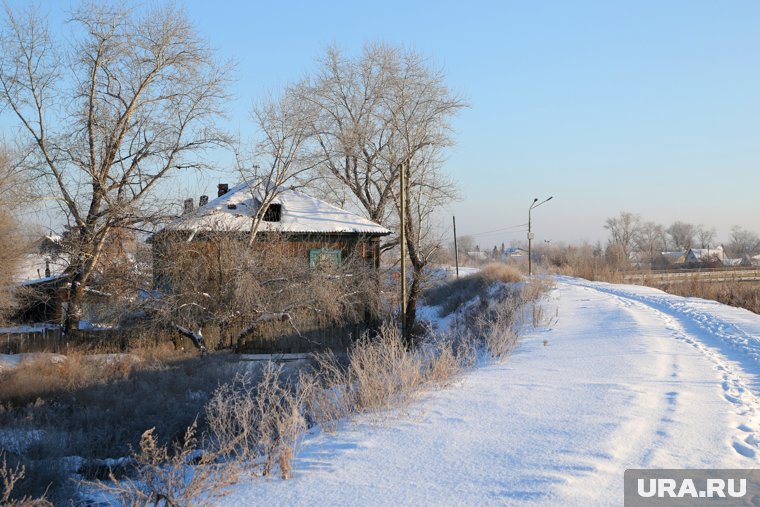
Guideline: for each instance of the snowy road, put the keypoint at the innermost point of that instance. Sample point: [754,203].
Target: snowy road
[626,377]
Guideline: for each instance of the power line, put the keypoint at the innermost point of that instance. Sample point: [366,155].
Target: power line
[515,228]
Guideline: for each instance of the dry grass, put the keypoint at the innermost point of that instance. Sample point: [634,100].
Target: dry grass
[582,261]
[499,272]
[248,423]
[165,477]
[380,373]
[734,293]
[383,371]
[494,323]
[447,362]
[256,424]
[92,409]
[451,295]
[10,476]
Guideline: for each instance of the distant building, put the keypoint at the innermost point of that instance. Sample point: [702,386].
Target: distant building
[705,257]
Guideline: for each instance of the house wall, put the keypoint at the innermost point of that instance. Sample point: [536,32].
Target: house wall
[169,247]
[212,264]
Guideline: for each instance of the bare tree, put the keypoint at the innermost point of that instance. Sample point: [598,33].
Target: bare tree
[682,235]
[624,230]
[281,157]
[743,242]
[705,237]
[651,240]
[12,252]
[352,125]
[218,278]
[465,244]
[375,114]
[109,112]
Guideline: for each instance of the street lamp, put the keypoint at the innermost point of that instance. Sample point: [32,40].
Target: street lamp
[530,233]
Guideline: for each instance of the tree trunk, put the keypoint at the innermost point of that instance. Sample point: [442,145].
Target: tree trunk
[81,270]
[415,290]
[74,302]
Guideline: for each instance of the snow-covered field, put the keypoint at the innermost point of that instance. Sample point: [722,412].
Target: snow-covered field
[625,377]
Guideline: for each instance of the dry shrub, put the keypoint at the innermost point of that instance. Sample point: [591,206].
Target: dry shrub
[382,371]
[222,281]
[331,398]
[102,416]
[451,295]
[165,477]
[446,363]
[10,476]
[495,321]
[584,261]
[257,424]
[499,272]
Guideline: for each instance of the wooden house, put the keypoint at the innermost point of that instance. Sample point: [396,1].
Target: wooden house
[310,234]
[704,257]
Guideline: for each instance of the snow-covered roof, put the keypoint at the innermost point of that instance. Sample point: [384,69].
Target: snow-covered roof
[300,213]
[704,253]
[675,256]
[32,267]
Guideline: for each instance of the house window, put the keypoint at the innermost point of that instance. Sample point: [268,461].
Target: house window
[273,213]
[324,259]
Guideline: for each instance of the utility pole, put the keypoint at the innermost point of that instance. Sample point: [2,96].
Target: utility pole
[530,233]
[403,250]
[456,250]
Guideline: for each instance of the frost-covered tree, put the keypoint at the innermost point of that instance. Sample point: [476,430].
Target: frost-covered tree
[380,112]
[107,113]
[682,235]
[743,242]
[623,233]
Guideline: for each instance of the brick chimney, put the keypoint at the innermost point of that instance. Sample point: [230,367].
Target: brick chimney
[223,189]
[187,206]
[203,201]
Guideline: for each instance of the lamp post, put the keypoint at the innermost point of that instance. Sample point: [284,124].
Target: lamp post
[530,233]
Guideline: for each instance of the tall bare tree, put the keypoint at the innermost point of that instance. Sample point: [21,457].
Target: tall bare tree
[705,237]
[651,240]
[682,235]
[352,125]
[743,242]
[12,252]
[280,157]
[375,113]
[109,112]
[624,230]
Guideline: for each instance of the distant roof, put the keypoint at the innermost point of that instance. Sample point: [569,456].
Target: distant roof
[300,214]
[699,253]
[674,256]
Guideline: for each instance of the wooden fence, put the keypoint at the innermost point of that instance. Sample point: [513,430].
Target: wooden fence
[53,340]
[277,337]
[729,274]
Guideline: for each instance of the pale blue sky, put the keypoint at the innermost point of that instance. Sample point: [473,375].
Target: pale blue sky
[651,107]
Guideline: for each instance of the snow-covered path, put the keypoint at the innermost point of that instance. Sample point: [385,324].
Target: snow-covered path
[626,377]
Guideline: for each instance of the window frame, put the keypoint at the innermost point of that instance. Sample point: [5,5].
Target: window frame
[316,253]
